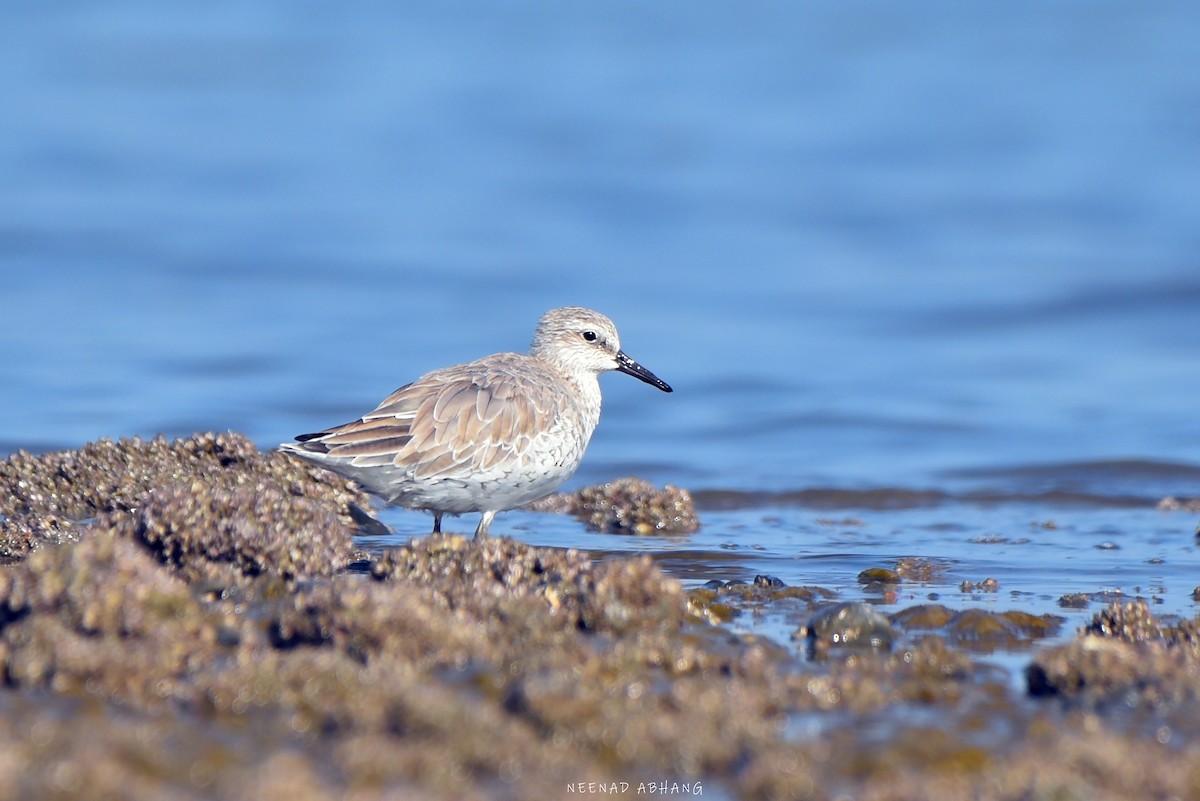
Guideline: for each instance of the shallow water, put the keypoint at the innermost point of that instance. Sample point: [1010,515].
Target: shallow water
[923,282]
[1037,553]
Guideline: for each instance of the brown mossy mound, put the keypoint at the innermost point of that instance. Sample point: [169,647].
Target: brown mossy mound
[206,533]
[47,498]
[609,597]
[1124,656]
[603,659]
[99,614]
[471,670]
[627,506]
[463,670]
[861,681]
[1053,763]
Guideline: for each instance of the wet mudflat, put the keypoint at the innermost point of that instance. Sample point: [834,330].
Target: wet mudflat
[198,619]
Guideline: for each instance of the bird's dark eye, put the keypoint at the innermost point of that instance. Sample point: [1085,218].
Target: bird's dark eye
[590,336]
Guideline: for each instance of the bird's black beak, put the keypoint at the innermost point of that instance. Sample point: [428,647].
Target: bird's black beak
[628,366]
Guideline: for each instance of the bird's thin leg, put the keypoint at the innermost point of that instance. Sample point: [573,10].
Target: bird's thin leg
[437,522]
[481,531]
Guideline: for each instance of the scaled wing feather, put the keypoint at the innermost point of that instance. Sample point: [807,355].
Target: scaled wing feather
[446,424]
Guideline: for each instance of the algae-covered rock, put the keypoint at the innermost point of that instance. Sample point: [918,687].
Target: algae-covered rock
[979,629]
[878,576]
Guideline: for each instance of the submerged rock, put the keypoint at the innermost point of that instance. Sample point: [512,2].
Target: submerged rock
[1075,600]
[986,585]
[846,625]
[917,569]
[875,578]
[979,629]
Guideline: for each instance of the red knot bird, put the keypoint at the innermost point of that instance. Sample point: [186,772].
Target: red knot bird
[485,436]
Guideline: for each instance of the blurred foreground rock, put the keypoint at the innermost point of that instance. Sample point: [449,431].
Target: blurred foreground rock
[1125,657]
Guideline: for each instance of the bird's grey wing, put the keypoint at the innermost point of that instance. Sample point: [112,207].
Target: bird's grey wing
[449,421]
[375,438]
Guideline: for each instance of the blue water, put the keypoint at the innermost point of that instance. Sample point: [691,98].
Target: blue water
[931,246]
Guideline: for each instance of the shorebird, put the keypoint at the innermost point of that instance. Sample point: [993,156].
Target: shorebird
[485,436]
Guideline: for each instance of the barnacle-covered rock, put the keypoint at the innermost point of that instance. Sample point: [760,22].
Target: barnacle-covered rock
[48,499]
[627,506]
[1124,656]
[200,531]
